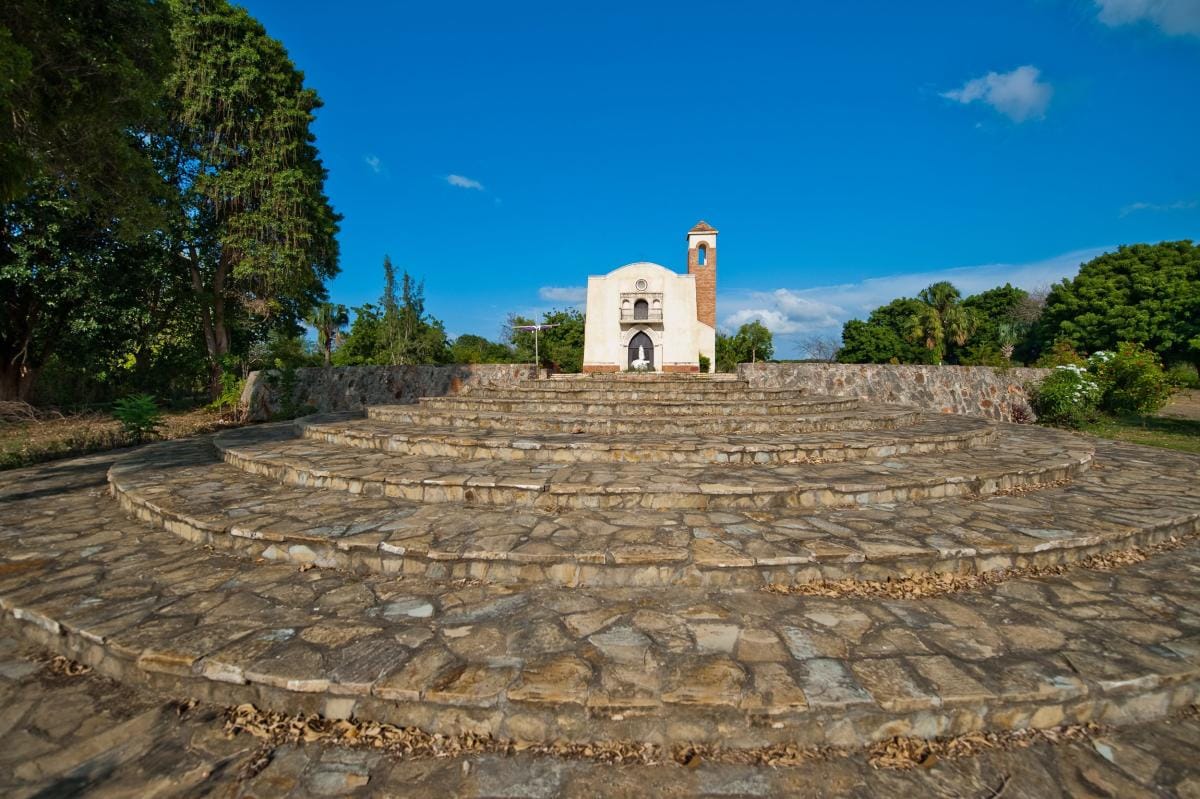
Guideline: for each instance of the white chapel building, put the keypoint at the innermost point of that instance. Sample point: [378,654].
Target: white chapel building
[647,316]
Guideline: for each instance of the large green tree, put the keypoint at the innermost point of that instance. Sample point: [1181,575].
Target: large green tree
[79,80]
[364,344]
[470,348]
[328,320]
[255,230]
[940,320]
[409,334]
[1144,293]
[884,337]
[999,318]
[79,200]
[750,343]
[559,348]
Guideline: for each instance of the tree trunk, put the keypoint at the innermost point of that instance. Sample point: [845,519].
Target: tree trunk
[16,382]
[212,320]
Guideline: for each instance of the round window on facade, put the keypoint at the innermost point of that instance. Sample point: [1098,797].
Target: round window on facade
[641,284]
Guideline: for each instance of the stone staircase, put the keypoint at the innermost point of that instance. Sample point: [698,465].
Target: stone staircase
[667,559]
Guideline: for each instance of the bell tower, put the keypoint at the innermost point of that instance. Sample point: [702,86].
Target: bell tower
[702,262]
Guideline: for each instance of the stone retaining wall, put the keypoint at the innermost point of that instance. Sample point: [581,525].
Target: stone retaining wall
[971,390]
[352,388]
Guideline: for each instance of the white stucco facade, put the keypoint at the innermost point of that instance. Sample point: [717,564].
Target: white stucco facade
[643,304]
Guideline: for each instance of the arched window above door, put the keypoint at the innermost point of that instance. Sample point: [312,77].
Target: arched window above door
[641,310]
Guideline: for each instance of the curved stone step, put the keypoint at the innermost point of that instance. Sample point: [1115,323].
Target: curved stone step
[682,378]
[1021,458]
[183,488]
[469,403]
[934,433]
[634,393]
[862,418]
[540,664]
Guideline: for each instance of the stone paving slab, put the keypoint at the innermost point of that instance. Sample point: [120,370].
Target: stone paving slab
[743,668]
[87,735]
[940,433]
[531,420]
[1021,457]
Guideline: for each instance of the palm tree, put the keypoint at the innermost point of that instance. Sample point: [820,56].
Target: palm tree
[328,319]
[941,319]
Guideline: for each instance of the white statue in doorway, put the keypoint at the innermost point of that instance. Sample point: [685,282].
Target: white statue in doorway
[641,364]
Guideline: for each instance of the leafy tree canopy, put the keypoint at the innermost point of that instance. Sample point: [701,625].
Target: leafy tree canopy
[78,80]
[751,342]
[1146,293]
[469,348]
[559,348]
[884,337]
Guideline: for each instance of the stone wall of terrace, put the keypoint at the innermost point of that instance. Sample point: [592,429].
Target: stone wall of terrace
[971,390]
[352,388]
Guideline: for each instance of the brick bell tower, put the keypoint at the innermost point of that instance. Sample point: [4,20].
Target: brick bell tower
[702,262]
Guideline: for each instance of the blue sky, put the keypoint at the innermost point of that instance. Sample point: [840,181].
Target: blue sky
[848,152]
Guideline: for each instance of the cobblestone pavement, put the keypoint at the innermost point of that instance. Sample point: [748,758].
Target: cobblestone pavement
[1135,497]
[930,434]
[1022,457]
[87,735]
[590,595]
[540,661]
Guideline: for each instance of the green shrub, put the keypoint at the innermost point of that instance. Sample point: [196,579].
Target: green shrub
[1067,396]
[1061,354]
[139,416]
[231,394]
[1183,375]
[704,364]
[1132,381]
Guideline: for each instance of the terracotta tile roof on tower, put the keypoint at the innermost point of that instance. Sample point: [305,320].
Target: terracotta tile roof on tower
[703,227]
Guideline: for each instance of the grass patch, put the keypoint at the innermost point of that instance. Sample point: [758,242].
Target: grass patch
[24,442]
[1154,431]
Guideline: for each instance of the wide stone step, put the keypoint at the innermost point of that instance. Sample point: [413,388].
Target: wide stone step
[555,664]
[634,393]
[1021,458]
[183,488]
[650,377]
[529,422]
[627,409]
[934,433]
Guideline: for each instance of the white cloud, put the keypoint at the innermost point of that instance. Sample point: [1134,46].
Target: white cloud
[785,312]
[1178,205]
[1173,17]
[795,314]
[563,293]
[464,182]
[1019,95]
[374,162]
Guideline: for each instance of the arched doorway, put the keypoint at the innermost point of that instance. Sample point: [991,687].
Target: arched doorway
[640,346]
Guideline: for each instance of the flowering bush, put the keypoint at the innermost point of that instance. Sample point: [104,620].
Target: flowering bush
[1068,396]
[1132,380]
